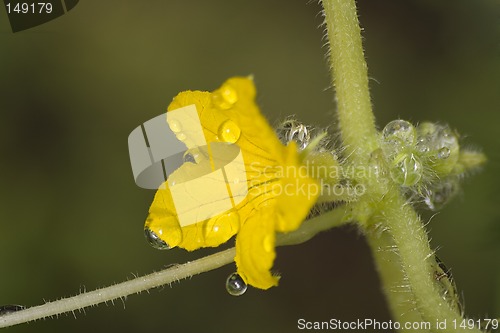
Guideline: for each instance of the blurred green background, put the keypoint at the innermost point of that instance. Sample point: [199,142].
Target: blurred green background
[72,90]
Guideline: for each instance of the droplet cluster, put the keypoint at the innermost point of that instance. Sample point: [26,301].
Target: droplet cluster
[422,159]
[225,99]
[399,138]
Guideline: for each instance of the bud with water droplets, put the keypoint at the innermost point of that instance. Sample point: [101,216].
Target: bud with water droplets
[398,145]
[439,145]
[235,285]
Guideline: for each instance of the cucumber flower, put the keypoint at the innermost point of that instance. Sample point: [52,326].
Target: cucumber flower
[275,192]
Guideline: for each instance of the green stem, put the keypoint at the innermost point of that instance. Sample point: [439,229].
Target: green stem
[312,227]
[350,78]
[413,292]
[394,231]
[394,281]
[172,274]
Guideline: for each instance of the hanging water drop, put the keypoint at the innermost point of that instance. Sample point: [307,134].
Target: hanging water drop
[155,240]
[229,132]
[235,285]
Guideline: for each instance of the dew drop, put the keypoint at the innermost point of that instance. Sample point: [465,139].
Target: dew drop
[441,193]
[155,240]
[181,136]
[448,139]
[225,97]
[229,131]
[422,147]
[235,285]
[400,131]
[435,137]
[443,153]
[175,125]
[218,228]
[9,308]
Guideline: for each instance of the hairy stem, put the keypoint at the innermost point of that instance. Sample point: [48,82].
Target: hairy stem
[401,301]
[394,230]
[413,292]
[350,78]
[307,230]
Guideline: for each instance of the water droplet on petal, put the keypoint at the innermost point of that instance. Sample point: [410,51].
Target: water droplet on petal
[225,97]
[229,131]
[444,153]
[175,125]
[9,308]
[181,136]
[155,240]
[235,285]
[218,228]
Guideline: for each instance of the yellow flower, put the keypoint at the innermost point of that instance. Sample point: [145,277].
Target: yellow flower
[278,196]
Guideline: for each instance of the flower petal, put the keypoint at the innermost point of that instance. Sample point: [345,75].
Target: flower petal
[298,192]
[255,250]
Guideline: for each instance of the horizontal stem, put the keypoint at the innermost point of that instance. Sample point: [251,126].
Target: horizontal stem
[120,290]
[172,274]
[312,227]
